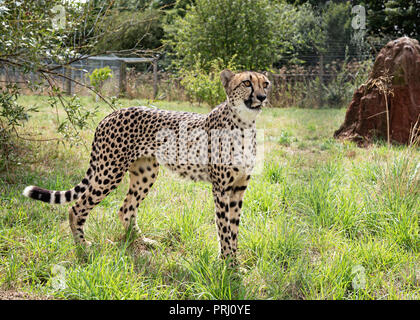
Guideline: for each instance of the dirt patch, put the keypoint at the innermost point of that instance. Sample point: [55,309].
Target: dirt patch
[142,247]
[388,104]
[17,295]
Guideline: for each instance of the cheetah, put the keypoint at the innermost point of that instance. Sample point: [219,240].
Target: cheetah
[218,147]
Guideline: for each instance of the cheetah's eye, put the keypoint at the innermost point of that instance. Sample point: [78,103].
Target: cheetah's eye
[265,85]
[247,83]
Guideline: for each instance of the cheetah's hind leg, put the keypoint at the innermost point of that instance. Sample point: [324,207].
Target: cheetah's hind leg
[98,187]
[143,174]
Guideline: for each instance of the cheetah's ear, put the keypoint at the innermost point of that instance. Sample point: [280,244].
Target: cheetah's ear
[226,75]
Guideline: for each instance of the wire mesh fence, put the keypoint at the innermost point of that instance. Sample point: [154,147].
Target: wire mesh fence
[292,85]
[74,78]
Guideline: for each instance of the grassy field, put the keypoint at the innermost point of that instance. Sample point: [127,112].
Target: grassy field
[324,219]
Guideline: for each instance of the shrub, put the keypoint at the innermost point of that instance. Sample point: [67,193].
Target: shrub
[349,76]
[38,38]
[98,77]
[338,90]
[12,115]
[131,28]
[202,86]
[223,29]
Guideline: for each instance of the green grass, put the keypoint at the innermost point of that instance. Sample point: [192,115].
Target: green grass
[322,215]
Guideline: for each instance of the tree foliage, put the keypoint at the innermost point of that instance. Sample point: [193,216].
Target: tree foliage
[42,36]
[204,86]
[224,29]
[319,30]
[131,30]
[298,33]
[393,18]
[39,37]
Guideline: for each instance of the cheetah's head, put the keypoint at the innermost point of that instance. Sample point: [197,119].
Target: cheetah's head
[246,92]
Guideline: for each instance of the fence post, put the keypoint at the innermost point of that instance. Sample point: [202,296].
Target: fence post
[321,80]
[155,78]
[68,74]
[123,78]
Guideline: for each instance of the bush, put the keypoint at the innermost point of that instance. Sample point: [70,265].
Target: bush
[202,86]
[349,76]
[98,77]
[131,29]
[38,38]
[12,115]
[338,90]
[223,29]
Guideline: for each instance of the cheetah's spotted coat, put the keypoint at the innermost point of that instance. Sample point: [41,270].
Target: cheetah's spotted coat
[139,139]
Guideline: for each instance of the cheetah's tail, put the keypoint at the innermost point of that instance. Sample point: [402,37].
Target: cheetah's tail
[56,197]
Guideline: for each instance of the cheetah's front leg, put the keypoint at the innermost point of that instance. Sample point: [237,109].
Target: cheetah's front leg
[221,203]
[235,206]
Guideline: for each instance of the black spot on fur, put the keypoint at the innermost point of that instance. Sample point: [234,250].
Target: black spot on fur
[242,188]
[57,197]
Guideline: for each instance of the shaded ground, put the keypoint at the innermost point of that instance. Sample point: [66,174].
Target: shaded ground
[16,295]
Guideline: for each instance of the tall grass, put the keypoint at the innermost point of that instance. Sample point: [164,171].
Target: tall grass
[323,220]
